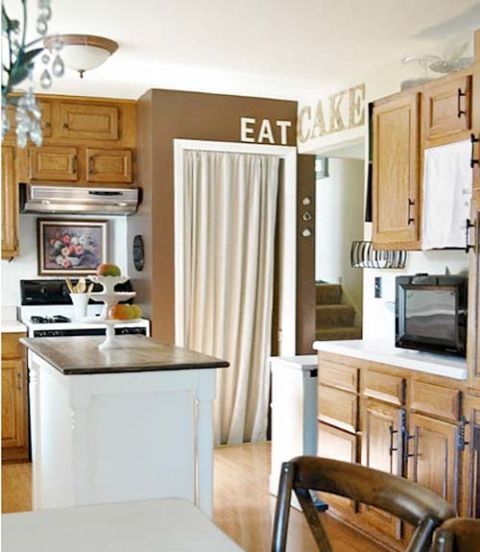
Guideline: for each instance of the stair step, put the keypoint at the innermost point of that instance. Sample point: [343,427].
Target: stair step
[328,294]
[335,315]
[339,334]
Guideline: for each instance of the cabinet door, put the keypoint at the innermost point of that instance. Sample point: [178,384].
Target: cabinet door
[9,204]
[476,128]
[89,122]
[382,450]
[46,121]
[473,332]
[336,444]
[396,172]
[447,112]
[14,410]
[109,165]
[470,500]
[53,164]
[434,456]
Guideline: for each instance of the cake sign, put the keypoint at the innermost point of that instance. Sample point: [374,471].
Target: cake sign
[341,111]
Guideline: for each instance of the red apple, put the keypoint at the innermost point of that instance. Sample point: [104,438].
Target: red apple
[108,269]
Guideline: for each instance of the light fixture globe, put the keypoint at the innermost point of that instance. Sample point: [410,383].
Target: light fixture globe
[83,52]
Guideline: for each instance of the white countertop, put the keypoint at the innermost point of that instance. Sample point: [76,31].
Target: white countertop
[10,324]
[307,363]
[382,351]
[13,326]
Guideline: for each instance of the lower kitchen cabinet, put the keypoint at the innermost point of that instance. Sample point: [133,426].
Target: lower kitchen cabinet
[15,435]
[382,449]
[433,456]
[470,443]
[338,444]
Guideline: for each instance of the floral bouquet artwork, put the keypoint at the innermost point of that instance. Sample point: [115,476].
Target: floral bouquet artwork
[71,247]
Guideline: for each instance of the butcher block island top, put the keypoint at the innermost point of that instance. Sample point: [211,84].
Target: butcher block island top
[137,353]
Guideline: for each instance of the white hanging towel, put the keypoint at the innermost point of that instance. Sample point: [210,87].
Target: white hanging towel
[447,188]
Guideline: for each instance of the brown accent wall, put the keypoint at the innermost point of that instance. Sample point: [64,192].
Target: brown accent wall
[162,116]
[305,256]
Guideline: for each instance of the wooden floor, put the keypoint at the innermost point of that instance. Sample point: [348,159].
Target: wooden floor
[243,506]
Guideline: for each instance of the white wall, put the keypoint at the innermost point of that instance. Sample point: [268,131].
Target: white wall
[379,314]
[25,266]
[339,221]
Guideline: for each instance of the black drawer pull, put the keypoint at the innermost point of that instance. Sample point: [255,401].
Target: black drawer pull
[460,95]
[468,224]
[474,141]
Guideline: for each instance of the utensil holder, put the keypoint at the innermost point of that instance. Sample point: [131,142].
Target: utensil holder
[80,302]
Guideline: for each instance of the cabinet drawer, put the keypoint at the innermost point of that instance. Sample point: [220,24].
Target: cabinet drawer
[338,408]
[109,165]
[89,122]
[384,387]
[50,163]
[11,347]
[441,402]
[340,376]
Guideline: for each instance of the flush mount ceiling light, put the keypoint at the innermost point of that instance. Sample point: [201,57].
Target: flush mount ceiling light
[84,52]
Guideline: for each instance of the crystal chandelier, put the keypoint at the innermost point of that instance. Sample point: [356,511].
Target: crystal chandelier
[18,62]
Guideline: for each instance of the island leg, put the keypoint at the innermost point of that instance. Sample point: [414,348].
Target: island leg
[205,396]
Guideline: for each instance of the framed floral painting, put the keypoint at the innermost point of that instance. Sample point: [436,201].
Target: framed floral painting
[71,247]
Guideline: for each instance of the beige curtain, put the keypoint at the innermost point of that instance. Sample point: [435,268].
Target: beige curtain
[230,205]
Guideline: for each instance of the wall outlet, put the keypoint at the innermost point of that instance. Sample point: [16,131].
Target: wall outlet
[378,287]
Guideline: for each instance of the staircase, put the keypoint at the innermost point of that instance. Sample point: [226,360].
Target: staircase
[334,320]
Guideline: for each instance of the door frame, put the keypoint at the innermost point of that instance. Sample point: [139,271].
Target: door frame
[288,232]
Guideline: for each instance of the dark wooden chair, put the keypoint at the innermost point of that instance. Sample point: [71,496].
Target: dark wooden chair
[402,498]
[457,535]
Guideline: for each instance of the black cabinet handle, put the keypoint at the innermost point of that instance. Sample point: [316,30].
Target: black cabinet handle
[468,224]
[460,95]
[474,141]
[391,448]
[411,219]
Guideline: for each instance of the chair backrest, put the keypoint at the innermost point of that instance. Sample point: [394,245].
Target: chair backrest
[457,535]
[402,498]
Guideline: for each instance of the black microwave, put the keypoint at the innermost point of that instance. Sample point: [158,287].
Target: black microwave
[431,313]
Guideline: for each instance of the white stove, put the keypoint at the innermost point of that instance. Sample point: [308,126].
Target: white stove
[46,312]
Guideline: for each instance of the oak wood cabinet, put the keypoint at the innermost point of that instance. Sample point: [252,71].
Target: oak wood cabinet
[396,171]
[53,164]
[86,141]
[338,444]
[109,165]
[46,122]
[469,439]
[9,204]
[409,423]
[435,457]
[382,449]
[447,114]
[87,121]
[473,332]
[15,438]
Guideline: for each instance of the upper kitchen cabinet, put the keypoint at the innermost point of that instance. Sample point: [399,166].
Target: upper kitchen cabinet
[109,165]
[447,113]
[9,204]
[396,171]
[86,141]
[45,108]
[83,121]
[53,164]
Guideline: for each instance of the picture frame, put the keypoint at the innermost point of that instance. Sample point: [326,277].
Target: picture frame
[71,247]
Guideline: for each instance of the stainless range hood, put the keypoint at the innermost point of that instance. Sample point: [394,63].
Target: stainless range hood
[78,200]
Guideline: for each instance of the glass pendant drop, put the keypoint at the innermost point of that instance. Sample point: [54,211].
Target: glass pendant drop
[45,79]
[58,68]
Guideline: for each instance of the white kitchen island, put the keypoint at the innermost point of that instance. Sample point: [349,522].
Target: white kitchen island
[131,423]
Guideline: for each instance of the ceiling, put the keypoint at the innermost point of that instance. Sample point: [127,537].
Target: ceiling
[275,48]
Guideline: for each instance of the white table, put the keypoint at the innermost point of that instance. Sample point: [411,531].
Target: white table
[170,525]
